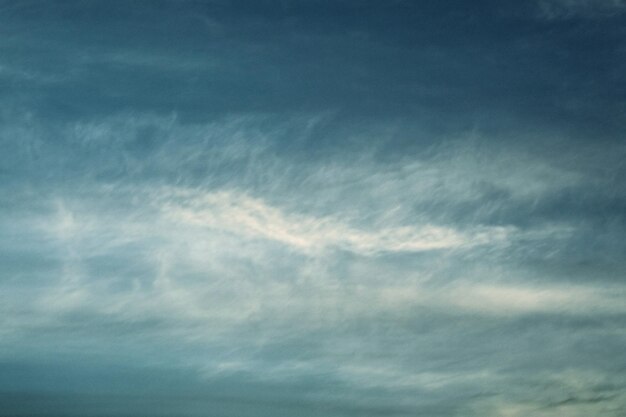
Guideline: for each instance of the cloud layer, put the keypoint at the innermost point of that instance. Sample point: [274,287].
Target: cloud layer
[314,208]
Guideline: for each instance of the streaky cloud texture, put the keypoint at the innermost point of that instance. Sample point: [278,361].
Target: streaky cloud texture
[312,208]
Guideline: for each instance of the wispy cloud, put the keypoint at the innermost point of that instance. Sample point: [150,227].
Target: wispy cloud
[345,209]
[241,214]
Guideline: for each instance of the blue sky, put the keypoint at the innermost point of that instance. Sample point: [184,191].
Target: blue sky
[312,208]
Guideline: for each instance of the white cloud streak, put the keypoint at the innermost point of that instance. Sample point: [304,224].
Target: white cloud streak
[243,215]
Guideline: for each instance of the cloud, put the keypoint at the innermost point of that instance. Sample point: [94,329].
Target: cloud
[503,299]
[241,214]
[363,232]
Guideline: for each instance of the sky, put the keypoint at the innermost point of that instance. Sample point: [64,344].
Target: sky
[312,208]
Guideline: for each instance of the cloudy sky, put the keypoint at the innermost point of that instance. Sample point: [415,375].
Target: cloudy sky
[312,208]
